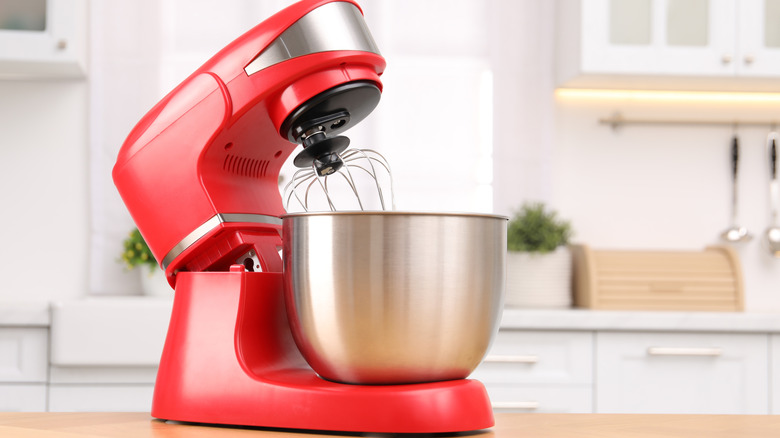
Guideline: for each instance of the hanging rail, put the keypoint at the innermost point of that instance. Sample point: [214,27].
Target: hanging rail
[617,120]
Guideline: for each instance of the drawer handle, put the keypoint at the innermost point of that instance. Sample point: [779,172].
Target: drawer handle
[527,405]
[685,351]
[512,358]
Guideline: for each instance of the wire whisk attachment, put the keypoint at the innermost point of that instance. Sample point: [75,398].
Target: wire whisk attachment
[364,182]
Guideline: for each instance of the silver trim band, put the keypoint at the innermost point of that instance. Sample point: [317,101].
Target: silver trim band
[211,224]
[334,26]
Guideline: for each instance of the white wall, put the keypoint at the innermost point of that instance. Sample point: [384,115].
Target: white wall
[44,195]
[522,42]
[640,187]
[124,82]
[665,187]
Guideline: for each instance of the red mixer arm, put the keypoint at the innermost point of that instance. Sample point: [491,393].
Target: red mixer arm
[199,172]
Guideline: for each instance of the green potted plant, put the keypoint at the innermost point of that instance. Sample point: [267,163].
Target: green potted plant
[136,254]
[538,258]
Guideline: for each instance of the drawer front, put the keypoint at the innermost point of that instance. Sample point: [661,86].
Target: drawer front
[100,398]
[538,357]
[23,354]
[691,373]
[547,399]
[23,397]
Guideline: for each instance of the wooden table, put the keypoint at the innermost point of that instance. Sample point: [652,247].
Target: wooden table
[141,425]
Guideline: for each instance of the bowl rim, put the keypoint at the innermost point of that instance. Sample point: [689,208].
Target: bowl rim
[391,213]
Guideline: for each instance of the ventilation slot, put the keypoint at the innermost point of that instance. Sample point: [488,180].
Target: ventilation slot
[244,166]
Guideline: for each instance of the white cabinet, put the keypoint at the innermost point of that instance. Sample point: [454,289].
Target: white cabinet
[100,388]
[111,369]
[774,348]
[43,38]
[643,37]
[539,371]
[100,398]
[669,43]
[758,50]
[23,397]
[23,368]
[701,373]
[23,354]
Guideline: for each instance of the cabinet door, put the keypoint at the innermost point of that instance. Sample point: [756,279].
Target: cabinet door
[538,357]
[22,397]
[539,371]
[546,399]
[23,354]
[657,37]
[43,38]
[100,398]
[682,373]
[774,375]
[759,38]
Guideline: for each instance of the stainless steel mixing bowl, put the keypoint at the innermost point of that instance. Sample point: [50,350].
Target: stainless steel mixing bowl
[393,297]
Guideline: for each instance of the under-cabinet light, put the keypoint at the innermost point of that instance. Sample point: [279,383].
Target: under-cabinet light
[652,95]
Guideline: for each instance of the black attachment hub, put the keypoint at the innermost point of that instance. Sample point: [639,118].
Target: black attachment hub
[333,111]
[321,126]
[314,139]
[322,153]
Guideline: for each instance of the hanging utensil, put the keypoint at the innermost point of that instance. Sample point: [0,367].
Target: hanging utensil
[735,233]
[773,232]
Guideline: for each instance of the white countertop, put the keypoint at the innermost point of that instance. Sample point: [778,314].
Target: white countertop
[140,311]
[24,314]
[582,319]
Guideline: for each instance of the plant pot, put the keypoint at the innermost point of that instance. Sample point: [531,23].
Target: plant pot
[154,283]
[535,280]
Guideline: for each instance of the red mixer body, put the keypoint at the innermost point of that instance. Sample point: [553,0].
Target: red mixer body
[199,175]
[230,358]
[213,147]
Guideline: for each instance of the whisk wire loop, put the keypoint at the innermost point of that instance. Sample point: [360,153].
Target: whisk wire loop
[373,167]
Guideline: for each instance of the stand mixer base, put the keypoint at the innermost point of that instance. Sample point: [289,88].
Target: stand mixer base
[229,358]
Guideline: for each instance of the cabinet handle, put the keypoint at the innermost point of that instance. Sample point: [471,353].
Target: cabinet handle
[512,358]
[749,59]
[685,351]
[527,405]
[726,59]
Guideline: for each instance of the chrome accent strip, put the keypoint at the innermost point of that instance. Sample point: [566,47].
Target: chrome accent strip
[212,223]
[333,26]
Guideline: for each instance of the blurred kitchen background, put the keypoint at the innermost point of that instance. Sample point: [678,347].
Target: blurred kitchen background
[487,104]
[472,119]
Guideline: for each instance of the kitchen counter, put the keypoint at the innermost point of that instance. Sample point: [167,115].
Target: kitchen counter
[140,425]
[24,314]
[606,320]
[155,313]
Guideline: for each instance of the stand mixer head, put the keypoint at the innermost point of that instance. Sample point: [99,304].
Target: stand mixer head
[199,173]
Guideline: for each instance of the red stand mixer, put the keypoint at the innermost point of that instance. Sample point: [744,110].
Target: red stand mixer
[199,175]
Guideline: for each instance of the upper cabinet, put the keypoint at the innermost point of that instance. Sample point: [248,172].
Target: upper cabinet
[43,39]
[758,49]
[671,44]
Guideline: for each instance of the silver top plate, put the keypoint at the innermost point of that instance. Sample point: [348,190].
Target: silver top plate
[334,26]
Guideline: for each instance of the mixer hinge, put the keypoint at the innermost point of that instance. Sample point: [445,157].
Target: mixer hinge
[251,261]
